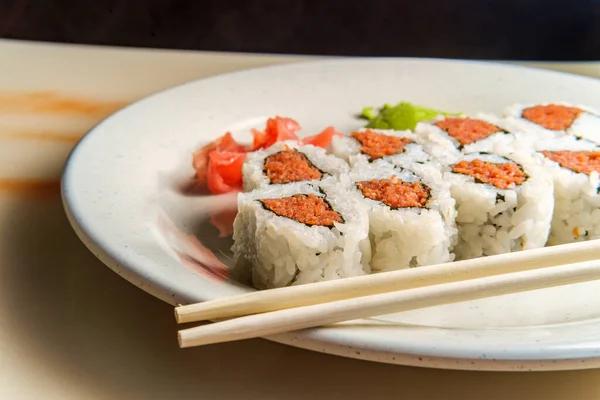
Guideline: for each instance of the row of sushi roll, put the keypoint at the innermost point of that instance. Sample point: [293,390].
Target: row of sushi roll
[454,187]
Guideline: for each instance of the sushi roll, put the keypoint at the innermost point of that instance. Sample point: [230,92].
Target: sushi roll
[366,145]
[411,215]
[552,120]
[575,169]
[452,136]
[503,205]
[287,162]
[301,233]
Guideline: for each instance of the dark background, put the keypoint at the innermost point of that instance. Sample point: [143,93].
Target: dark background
[491,29]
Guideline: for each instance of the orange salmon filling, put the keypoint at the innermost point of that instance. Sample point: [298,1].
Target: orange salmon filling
[553,117]
[290,166]
[500,175]
[395,193]
[306,209]
[377,145]
[582,162]
[467,130]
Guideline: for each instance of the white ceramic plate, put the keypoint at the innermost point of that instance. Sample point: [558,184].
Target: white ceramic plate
[122,191]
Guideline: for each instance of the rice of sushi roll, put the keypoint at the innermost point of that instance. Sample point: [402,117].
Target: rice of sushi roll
[287,162]
[552,120]
[503,205]
[452,136]
[366,145]
[575,168]
[301,233]
[411,215]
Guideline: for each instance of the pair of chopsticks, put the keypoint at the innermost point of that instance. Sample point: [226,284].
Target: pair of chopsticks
[274,311]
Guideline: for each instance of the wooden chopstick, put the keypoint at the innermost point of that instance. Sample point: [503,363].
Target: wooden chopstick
[323,292]
[281,321]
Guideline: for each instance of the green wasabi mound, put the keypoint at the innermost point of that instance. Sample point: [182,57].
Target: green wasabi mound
[402,116]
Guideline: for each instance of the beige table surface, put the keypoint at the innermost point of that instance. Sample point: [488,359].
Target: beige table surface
[72,329]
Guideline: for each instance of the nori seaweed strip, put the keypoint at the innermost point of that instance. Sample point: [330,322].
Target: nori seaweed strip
[490,185]
[458,144]
[533,122]
[294,278]
[427,188]
[309,225]
[323,173]
[371,159]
